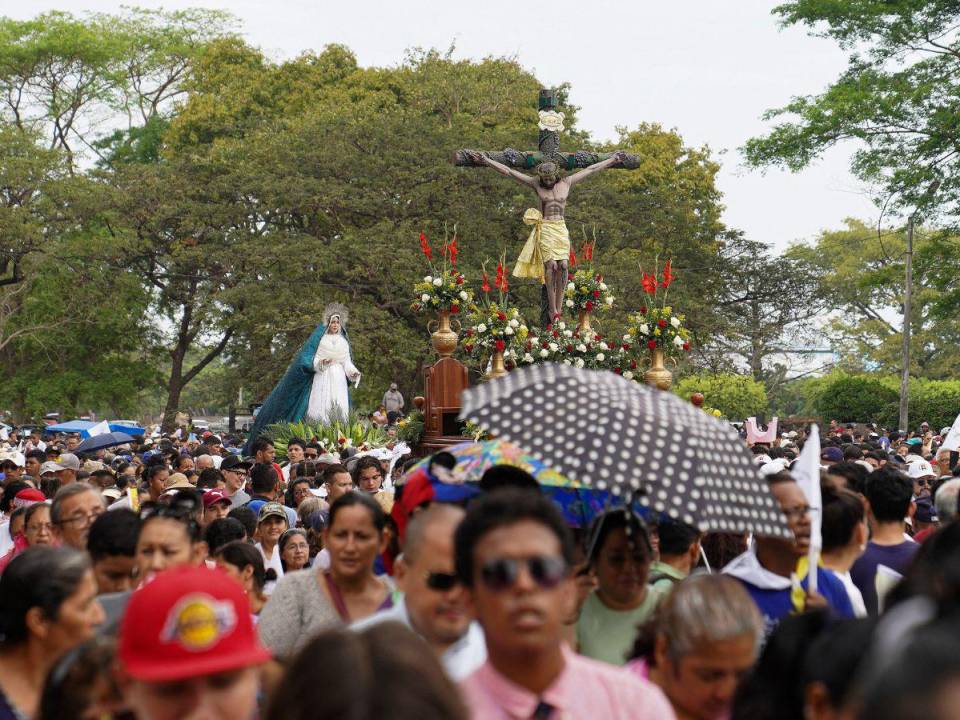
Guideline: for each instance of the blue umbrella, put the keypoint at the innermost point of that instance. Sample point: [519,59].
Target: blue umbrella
[82,426]
[99,442]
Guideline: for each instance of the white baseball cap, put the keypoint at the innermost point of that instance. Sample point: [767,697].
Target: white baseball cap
[922,469]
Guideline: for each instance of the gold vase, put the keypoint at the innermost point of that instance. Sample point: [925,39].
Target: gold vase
[497,368]
[658,375]
[583,324]
[444,339]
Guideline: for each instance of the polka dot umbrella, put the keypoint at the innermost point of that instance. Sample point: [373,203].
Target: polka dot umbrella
[633,440]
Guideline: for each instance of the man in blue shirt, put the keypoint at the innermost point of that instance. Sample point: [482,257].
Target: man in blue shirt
[769,570]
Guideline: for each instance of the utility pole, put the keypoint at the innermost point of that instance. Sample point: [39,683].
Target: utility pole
[907,298]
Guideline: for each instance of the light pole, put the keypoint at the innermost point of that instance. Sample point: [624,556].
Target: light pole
[907,302]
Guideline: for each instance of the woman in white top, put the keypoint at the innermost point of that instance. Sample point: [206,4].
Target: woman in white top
[844,532]
[271,524]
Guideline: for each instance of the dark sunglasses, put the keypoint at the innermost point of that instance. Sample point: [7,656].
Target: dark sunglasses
[441,582]
[502,574]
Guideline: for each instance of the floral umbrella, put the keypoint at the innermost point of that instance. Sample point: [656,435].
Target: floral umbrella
[579,503]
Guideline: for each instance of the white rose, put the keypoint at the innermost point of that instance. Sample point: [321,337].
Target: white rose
[675,321]
[508,330]
[571,286]
[610,300]
[604,346]
[568,333]
[428,279]
[528,358]
[424,298]
[544,353]
[569,303]
[603,286]
[628,375]
[600,357]
[678,341]
[579,363]
[514,323]
[626,338]
[566,362]
[438,281]
[481,328]
[644,329]
[463,295]
[554,347]
[581,348]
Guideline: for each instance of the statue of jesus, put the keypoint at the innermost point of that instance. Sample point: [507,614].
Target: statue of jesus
[547,250]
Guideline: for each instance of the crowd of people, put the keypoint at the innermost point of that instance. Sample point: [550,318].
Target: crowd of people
[179,579]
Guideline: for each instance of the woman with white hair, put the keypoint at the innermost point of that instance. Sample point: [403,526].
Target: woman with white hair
[702,641]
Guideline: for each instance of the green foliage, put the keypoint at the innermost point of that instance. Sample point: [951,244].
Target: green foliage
[896,100]
[357,432]
[857,398]
[410,428]
[736,396]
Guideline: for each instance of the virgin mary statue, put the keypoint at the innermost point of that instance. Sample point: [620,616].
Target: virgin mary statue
[314,387]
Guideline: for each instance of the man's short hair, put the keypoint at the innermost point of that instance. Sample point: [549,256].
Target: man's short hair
[852,452]
[209,478]
[421,522]
[500,509]
[261,444]
[298,442]
[842,512]
[889,492]
[263,478]
[224,530]
[39,455]
[245,516]
[330,470]
[855,475]
[114,533]
[946,500]
[66,492]
[676,537]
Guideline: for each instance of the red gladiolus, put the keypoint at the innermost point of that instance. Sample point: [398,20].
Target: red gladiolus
[454,309]
[501,317]
[587,251]
[649,283]
[486,284]
[596,293]
[573,258]
[668,277]
[589,306]
[662,323]
[498,282]
[425,247]
[686,346]
[503,284]
[499,345]
[652,344]
[453,251]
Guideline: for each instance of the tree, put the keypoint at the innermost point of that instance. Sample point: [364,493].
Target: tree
[896,101]
[736,396]
[857,398]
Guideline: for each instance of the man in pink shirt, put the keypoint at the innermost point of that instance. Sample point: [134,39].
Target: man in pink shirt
[513,555]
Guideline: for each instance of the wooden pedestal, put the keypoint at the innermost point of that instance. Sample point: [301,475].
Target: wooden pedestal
[443,383]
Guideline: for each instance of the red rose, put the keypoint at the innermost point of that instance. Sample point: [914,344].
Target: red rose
[618,371]
[468,348]
[626,346]
[686,346]
[569,348]
[499,345]
[556,333]
[545,345]
[454,309]
[643,309]
[597,338]
[662,323]
[599,277]
[469,332]
[459,279]
[501,317]
[633,364]
[589,306]
[596,293]
[652,344]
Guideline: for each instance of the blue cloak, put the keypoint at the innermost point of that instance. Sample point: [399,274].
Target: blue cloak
[289,400]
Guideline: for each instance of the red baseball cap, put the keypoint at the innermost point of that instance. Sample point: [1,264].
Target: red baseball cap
[188,621]
[214,496]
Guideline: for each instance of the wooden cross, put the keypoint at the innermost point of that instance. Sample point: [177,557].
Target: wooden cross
[549,149]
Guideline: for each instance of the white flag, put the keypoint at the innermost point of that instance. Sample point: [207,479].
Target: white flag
[807,472]
[4,433]
[952,441]
[101,428]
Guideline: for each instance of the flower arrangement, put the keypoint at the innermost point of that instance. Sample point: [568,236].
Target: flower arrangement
[659,328]
[445,288]
[587,292]
[496,327]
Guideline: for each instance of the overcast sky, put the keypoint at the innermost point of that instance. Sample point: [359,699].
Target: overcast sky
[705,68]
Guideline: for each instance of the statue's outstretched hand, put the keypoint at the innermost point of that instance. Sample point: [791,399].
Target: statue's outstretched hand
[477,157]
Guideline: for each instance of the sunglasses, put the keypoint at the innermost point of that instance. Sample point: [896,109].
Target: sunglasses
[441,582]
[502,574]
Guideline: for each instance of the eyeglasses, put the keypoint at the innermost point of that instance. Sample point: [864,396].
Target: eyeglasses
[798,512]
[502,574]
[81,521]
[40,526]
[441,582]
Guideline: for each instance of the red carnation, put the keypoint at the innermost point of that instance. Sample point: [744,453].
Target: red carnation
[626,346]
[618,371]
[599,277]
[342,441]
[499,345]
[454,309]
[545,345]
[589,306]
[556,333]
[662,323]
[596,293]
[652,344]
[501,316]
[633,364]
[459,279]
[569,348]
[686,346]
[468,348]
[597,338]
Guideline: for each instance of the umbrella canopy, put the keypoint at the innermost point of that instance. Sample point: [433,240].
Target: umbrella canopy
[617,435]
[82,426]
[99,442]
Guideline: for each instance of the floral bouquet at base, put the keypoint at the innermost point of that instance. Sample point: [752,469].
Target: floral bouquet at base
[445,288]
[587,292]
[561,345]
[495,327]
[659,328]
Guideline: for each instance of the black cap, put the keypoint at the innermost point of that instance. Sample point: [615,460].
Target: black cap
[232,462]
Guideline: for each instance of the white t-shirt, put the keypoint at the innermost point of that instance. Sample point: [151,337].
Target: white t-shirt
[268,563]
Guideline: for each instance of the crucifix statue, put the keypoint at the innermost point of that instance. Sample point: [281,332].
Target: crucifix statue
[547,250]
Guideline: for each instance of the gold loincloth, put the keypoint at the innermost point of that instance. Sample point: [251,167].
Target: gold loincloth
[549,240]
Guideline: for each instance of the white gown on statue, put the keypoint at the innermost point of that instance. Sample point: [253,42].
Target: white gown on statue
[328,394]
